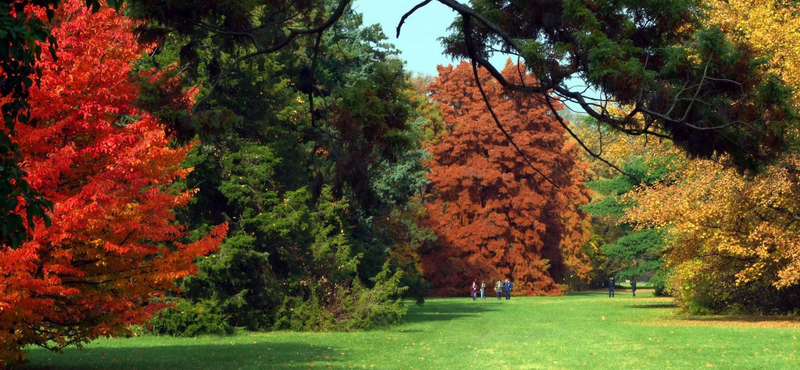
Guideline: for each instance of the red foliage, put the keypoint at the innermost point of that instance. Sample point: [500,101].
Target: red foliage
[495,216]
[107,168]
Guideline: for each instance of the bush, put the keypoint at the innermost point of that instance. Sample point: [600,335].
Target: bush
[659,282]
[187,319]
[701,290]
[377,307]
[299,314]
[340,307]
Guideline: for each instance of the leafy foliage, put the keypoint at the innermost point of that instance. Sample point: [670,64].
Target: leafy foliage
[733,240]
[616,249]
[310,195]
[184,318]
[23,34]
[495,216]
[631,253]
[769,28]
[706,90]
[111,176]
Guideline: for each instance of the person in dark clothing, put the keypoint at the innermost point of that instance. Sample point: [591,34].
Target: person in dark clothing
[611,287]
[507,286]
[474,289]
[633,287]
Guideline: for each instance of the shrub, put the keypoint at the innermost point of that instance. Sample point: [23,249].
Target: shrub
[187,319]
[340,307]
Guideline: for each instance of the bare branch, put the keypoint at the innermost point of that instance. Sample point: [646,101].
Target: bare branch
[586,148]
[313,86]
[408,14]
[547,84]
[247,34]
[697,92]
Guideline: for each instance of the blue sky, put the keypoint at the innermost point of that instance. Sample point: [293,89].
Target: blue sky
[418,40]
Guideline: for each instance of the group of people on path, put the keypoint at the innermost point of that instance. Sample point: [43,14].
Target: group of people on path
[612,283]
[507,285]
[499,288]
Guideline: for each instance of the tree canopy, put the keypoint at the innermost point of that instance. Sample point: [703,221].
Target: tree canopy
[687,79]
[498,216]
[273,165]
[113,244]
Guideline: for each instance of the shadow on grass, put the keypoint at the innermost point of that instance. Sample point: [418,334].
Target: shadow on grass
[654,305]
[595,293]
[191,357]
[744,318]
[436,310]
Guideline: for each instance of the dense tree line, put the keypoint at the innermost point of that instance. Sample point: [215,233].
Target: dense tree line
[331,186]
[308,189]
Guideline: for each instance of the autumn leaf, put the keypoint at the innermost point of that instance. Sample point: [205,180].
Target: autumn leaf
[113,243]
[496,217]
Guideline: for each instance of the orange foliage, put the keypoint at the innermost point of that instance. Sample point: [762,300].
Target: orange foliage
[496,217]
[110,174]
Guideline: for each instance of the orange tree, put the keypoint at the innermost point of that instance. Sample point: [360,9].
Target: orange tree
[106,166]
[496,215]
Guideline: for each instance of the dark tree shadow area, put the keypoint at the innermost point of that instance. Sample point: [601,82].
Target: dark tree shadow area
[598,293]
[434,310]
[191,357]
[750,319]
[654,305]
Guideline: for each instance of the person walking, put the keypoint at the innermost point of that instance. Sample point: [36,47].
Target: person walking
[498,288]
[507,285]
[611,286]
[633,287]
[474,289]
[483,289]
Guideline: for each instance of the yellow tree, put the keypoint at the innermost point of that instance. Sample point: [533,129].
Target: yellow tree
[735,241]
[618,148]
[770,27]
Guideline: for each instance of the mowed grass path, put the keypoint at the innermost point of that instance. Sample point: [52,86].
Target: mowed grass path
[579,331]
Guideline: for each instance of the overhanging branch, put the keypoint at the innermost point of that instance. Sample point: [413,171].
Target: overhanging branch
[293,33]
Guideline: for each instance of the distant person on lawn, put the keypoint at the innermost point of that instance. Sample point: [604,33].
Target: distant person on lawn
[611,286]
[507,286]
[633,287]
[474,289]
[498,288]
[483,289]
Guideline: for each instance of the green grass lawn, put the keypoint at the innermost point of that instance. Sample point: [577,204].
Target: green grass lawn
[579,331]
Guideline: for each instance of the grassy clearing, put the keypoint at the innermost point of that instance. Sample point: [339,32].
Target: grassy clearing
[587,330]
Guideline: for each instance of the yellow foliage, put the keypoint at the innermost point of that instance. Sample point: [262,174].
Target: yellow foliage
[725,221]
[727,230]
[770,27]
[618,148]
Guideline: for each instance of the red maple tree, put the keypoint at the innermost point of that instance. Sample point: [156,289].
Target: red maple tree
[495,216]
[107,168]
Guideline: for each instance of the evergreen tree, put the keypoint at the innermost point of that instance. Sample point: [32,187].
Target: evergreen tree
[309,195]
[631,253]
